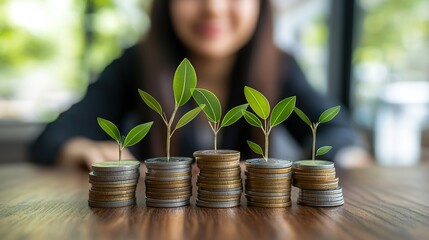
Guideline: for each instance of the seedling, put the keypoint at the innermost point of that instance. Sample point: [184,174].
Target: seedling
[133,137]
[185,80]
[260,105]
[326,116]
[213,111]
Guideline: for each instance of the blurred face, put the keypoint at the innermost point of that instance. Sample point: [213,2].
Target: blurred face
[214,28]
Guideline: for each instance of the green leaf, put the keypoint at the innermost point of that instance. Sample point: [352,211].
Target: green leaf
[185,79]
[282,111]
[303,117]
[136,134]
[151,102]
[323,150]
[255,147]
[189,116]
[252,119]
[258,102]
[110,128]
[233,115]
[213,109]
[329,114]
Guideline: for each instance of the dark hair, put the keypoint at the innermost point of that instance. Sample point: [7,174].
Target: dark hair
[256,65]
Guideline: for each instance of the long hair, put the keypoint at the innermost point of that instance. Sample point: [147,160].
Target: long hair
[256,65]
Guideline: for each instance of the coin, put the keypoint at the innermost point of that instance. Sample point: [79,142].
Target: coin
[269,205]
[313,164]
[270,163]
[114,204]
[321,204]
[95,178]
[268,194]
[115,173]
[228,204]
[113,166]
[157,204]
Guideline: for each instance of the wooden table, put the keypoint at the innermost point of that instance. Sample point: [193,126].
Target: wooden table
[51,203]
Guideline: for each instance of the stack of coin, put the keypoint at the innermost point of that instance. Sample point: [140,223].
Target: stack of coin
[219,181]
[318,183]
[168,182]
[113,183]
[268,183]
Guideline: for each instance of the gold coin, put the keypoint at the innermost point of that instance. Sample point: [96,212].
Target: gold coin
[264,190]
[100,186]
[111,199]
[185,196]
[268,170]
[167,175]
[313,178]
[167,182]
[258,179]
[327,186]
[171,186]
[102,189]
[269,205]
[268,200]
[224,186]
[216,166]
[170,194]
[209,199]
[297,170]
[220,182]
[268,184]
[112,193]
[221,178]
[306,182]
[217,154]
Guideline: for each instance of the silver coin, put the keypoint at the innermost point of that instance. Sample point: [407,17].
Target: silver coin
[166,200]
[112,178]
[313,165]
[229,204]
[171,163]
[337,190]
[270,163]
[114,166]
[219,153]
[336,195]
[168,190]
[321,199]
[114,204]
[321,204]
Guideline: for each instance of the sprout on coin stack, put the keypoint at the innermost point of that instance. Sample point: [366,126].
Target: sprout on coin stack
[219,181]
[317,179]
[114,182]
[268,180]
[169,179]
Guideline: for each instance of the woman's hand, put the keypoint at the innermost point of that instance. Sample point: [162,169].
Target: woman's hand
[84,152]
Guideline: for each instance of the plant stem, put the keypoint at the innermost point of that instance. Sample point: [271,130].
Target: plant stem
[215,141]
[169,134]
[313,151]
[120,153]
[266,133]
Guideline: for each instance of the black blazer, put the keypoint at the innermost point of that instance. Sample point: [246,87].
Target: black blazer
[114,97]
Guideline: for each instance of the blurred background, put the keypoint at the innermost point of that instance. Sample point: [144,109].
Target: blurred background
[372,55]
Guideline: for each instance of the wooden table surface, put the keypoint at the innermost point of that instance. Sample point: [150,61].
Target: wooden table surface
[51,203]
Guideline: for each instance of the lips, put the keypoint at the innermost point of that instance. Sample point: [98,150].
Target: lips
[209,30]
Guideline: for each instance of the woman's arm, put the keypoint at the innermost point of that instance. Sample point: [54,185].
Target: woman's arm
[109,97]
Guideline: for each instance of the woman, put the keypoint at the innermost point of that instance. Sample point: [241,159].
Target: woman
[230,44]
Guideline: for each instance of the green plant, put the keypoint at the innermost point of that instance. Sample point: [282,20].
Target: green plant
[326,116]
[260,105]
[184,81]
[133,137]
[213,111]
